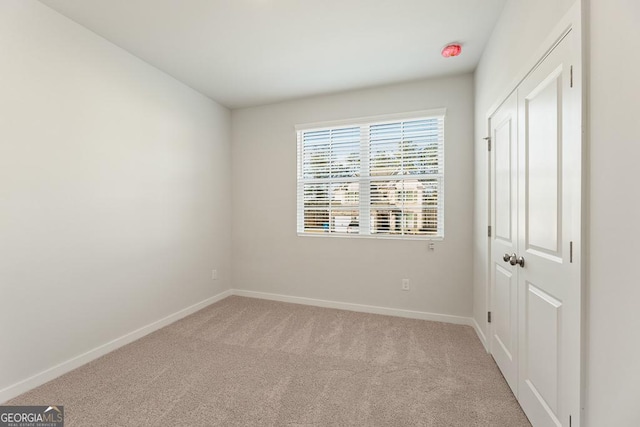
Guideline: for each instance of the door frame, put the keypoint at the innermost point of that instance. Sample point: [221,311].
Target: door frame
[573,21]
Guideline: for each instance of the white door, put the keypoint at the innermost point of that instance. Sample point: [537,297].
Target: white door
[549,186]
[504,219]
[536,181]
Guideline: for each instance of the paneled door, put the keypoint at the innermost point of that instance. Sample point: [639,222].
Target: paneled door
[504,220]
[549,214]
[535,291]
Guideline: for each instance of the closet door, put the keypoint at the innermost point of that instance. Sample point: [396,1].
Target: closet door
[549,152]
[503,330]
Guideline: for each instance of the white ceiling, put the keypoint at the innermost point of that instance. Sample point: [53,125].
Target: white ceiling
[250,52]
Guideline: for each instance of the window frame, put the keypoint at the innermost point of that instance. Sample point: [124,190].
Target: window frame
[364,160]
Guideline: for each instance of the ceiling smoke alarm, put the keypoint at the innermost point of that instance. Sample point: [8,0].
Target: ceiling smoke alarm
[450,50]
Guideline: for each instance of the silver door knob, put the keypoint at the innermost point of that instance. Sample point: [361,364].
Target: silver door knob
[516,260]
[506,257]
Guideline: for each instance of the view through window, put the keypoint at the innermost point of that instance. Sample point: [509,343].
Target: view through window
[374,177]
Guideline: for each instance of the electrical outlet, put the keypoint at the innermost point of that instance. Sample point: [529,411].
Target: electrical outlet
[405,284]
[214,274]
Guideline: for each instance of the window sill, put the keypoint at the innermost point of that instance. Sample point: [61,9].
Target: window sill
[371,236]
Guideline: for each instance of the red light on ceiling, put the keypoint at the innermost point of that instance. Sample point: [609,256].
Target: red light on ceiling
[451,50]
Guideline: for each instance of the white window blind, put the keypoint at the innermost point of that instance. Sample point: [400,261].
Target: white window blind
[373,177]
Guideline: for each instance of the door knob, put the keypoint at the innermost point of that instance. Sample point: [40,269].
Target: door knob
[516,260]
[507,257]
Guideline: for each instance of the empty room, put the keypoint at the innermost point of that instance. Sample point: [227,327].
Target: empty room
[327,213]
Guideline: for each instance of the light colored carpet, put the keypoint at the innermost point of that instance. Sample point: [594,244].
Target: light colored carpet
[249,362]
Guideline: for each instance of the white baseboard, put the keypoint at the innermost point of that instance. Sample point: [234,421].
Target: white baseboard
[481,335]
[71,364]
[423,315]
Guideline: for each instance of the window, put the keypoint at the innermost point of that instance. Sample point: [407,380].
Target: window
[376,177]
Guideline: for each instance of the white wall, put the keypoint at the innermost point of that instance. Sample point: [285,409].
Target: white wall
[612,320]
[114,192]
[268,256]
[613,364]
